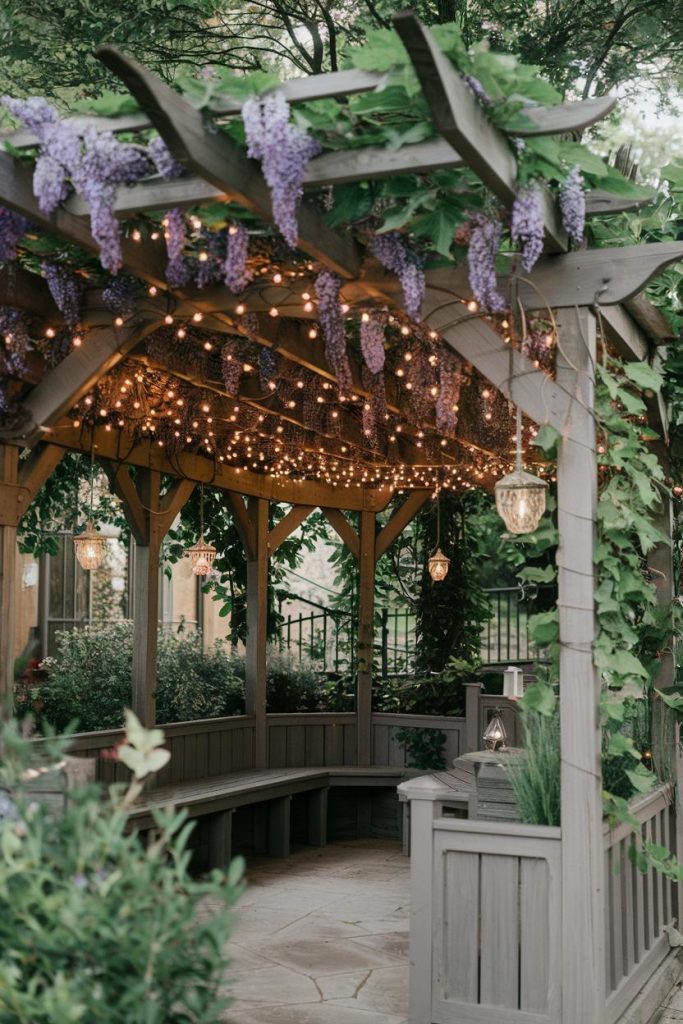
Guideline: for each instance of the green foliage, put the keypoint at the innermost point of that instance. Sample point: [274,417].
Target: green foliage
[93,927]
[535,775]
[438,693]
[424,748]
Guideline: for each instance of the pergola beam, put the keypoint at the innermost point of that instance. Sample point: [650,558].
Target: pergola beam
[61,388]
[145,454]
[219,160]
[297,515]
[461,120]
[342,527]
[243,523]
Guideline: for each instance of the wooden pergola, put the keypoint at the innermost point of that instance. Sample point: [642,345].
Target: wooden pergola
[595,295]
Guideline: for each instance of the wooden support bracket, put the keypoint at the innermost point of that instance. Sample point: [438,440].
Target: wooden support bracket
[343,528]
[287,525]
[398,522]
[243,523]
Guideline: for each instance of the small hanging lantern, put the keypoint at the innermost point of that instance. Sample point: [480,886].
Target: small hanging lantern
[495,737]
[520,496]
[89,547]
[438,563]
[202,554]
[438,566]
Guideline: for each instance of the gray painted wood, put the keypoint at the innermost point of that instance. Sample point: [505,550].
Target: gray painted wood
[583,982]
[317,817]
[257,613]
[220,838]
[456,969]
[499,915]
[279,824]
[534,934]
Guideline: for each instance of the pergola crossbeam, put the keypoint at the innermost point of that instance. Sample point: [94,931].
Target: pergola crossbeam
[342,527]
[404,515]
[297,515]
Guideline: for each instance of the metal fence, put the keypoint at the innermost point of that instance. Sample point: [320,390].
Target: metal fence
[328,636]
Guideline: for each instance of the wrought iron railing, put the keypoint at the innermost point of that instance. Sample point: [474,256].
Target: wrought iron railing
[328,636]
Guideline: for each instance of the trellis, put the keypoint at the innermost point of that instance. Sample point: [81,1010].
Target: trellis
[590,291]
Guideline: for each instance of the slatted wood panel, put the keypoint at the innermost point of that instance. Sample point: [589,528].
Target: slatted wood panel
[198,749]
[388,750]
[637,907]
[311,740]
[497,928]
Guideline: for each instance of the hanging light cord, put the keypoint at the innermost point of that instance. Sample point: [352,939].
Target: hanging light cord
[201,511]
[518,462]
[92,478]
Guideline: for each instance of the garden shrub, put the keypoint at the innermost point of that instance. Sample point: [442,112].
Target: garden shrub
[424,748]
[94,927]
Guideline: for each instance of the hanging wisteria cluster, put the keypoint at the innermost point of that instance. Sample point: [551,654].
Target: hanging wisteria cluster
[284,151]
[177,270]
[485,236]
[573,205]
[372,342]
[95,163]
[235,274]
[394,253]
[231,365]
[526,226]
[12,227]
[450,383]
[66,289]
[120,294]
[160,156]
[327,287]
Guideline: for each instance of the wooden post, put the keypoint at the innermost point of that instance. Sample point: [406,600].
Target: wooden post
[146,601]
[257,623]
[150,517]
[9,459]
[583,959]
[473,736]
[366,630]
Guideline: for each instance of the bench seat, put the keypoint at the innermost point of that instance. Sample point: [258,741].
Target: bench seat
[218,797]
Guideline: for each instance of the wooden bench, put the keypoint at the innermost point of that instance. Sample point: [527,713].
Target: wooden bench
[271,792]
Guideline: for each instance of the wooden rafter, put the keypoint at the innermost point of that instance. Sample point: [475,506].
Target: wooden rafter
[460,119]
[61,388]
[219,160]
[17,494]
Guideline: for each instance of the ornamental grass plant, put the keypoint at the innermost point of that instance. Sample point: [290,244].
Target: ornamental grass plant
[94,926]
[535,777]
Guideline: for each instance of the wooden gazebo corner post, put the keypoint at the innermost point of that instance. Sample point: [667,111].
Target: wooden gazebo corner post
[366,637]
[583,924]
[257,624]
[150,517]
[19,484]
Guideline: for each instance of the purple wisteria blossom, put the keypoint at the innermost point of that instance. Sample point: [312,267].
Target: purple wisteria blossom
[268,366]
[231,365]
[235,273]
[119,295]
[284,151]
[158,153]
[374,408]
[396,256]
[327,287]
[15,341]
[177,270]
[95,162]
[372,342]
[573,205]
[526,227]
[450,383]
[66,289]
[481,258]
[12,227]
[478,89]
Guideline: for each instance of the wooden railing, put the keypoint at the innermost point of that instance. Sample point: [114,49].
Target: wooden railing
[315,740]
[212,746]
[388,750]
[637,906]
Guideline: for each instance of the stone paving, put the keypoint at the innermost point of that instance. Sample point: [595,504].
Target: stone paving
[673,1010]
[322,938]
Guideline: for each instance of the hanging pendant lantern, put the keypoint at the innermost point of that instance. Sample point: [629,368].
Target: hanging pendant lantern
[202,554]
[520,496]
[438,566]
[438,563]
[495,736]
[89,545]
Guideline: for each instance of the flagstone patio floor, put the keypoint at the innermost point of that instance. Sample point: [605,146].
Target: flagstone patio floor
[322,938]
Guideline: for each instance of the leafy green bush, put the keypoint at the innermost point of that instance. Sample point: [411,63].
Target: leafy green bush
[434,693]
[193,683]
[292,685]
[424,748]
[94,927]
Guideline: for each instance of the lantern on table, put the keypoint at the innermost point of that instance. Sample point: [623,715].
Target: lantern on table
[495,736]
